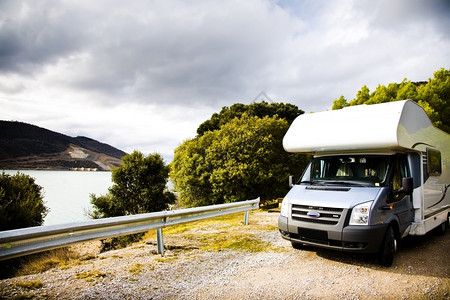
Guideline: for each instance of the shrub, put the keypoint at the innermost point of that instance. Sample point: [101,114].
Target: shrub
[21,202]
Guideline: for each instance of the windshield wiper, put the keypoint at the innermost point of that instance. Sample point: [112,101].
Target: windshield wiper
[311,182]
[346,183]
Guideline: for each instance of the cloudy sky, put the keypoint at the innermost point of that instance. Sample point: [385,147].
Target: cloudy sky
[144,74]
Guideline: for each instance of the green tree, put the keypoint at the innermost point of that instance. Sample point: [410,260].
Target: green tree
[242,160]
[433,96]
[339,103]
[139,186]
[436,92]
[407,90]
[21,202]
[285,111]
[363,95]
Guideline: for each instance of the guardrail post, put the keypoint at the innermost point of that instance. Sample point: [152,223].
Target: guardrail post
[247,213]
[159,241]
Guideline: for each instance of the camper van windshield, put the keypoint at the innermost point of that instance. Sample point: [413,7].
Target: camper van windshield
[366,170]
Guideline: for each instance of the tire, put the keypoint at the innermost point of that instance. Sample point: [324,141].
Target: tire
[388,248]
[297,246]
[440,230]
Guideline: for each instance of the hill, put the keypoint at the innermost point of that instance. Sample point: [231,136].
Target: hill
[26,146]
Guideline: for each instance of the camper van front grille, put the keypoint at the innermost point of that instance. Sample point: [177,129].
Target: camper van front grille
[316,214]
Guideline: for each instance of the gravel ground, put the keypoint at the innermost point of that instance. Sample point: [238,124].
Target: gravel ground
[421,270]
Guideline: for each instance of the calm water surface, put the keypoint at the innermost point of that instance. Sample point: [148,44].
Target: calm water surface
[66,193]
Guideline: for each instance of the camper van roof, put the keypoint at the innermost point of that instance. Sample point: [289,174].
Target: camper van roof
[389,125]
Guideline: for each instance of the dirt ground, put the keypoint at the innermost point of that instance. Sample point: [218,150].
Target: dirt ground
[421,270]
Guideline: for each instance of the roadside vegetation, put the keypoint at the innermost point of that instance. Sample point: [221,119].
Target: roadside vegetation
[21,202]
[433,95]
[217,234]
[237,155]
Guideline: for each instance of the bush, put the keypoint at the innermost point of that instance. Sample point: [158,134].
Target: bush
[242,160]
[139,186]
[21,202]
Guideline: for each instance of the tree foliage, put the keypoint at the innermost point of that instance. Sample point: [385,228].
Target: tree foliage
[21,202]
[139,186]
[433,96]
[242,160]
[262,109]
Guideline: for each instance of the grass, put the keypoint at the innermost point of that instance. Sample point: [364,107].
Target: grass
[31,285]
[39,263]
[23,297]
[90,276]
[226,221]
[218,234]
[237,242]
[166,259]
[135,269]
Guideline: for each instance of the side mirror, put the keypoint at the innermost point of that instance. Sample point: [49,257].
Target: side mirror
[291,181]
[407,185]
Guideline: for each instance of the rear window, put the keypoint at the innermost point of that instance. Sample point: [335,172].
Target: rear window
[434,166]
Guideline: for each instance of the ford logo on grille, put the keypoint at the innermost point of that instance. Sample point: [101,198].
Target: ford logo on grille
[313,214]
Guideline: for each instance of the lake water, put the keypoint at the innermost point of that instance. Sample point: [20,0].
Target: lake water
[66,193]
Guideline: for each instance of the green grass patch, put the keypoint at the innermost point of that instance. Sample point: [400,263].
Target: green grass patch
[239,242]
[31,285]
[225,221]
[90,276]
[136,268]
[166,259]
[219,234]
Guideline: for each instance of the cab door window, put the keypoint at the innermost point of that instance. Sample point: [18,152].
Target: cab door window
[400,170]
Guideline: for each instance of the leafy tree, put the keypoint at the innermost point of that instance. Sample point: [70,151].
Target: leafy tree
[433,96]
[339,103]
[21,202]
[242,160]
[139,186]
[363,95]
[258,109]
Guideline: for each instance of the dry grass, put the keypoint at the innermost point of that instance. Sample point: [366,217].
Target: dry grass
[135,269]
[42,262]
[217,234]
[90,276]
[31,285]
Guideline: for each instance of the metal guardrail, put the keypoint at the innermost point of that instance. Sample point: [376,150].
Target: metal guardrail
[19,242]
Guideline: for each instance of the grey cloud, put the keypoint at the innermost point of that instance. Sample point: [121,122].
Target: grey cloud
[181,52]
[35,33]
[401,15]
[206,53]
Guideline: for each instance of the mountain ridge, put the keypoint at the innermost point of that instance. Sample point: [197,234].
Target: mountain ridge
[27,146]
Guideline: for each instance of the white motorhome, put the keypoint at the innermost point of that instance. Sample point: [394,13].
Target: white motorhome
[379,172]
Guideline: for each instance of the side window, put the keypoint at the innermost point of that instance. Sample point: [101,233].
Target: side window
[434,166]
[400,171]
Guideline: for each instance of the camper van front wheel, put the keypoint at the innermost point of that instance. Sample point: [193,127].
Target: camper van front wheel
[388,248]
[296,245]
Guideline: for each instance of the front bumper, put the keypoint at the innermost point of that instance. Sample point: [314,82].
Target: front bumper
[363,239]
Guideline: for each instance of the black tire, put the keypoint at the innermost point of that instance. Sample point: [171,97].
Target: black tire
[388,248]
[296,245]
[440,230]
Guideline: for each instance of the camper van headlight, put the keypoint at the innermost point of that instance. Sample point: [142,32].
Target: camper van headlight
[360,214]
[284,207]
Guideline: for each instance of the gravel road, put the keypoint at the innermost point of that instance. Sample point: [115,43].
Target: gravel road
[421,270]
